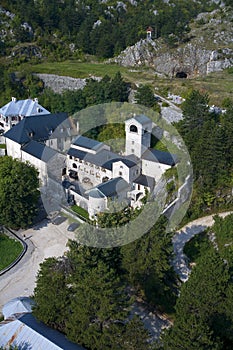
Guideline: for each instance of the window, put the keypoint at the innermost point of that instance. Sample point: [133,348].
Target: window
[132,150]
[133,128]
[132,142]
[120,173]
[74,165]
[71,157]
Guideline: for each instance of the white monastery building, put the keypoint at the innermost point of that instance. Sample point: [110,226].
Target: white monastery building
[89,172]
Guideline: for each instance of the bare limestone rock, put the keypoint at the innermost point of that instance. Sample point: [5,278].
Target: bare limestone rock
[60,83]
[209,48]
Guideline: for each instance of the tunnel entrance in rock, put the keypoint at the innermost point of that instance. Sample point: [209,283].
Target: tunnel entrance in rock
[181,75]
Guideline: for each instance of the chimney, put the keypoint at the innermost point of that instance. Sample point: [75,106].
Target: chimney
[13,99]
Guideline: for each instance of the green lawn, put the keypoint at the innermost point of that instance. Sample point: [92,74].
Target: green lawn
[10,249]
[82,212]
[218,85]
[78,69]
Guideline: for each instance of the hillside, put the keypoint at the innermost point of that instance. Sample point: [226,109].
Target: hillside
[207,48]
[58,30]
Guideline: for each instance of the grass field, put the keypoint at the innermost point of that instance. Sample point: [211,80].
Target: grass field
[218,85]
[10,249]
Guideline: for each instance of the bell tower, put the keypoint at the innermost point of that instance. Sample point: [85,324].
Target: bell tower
[138,135]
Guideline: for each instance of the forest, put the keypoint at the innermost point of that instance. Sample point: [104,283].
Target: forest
[68,28]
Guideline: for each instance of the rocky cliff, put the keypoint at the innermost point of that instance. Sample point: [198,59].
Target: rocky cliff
[208,48]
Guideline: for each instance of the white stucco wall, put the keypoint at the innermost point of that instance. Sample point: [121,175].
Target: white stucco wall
[122,170]
[38,164]
[96,205]
[87,170]
[154,169]
[13,149]
[137,142]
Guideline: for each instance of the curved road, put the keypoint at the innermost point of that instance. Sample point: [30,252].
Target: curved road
[44,240]
[48,240]
[183,236]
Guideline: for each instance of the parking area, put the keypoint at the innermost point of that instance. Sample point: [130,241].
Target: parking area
[44,240]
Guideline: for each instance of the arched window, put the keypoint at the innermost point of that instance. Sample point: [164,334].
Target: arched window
[133,128]
[74,166]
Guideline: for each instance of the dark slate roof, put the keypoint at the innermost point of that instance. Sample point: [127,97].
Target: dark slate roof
[160,157]
[112,187]
[87,143]
[39,150]
[52,335]
[146,181]
[77,153]
[104,158]
[40,128]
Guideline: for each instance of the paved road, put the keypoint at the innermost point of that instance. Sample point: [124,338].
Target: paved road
[44,240]
[183,236]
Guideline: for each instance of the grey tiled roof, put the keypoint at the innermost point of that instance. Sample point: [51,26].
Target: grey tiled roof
[112,187]
[146,181]
[40,128]
[160,157]
[87,143]
[142,119]
[23,108]
[104,158]
[39,150]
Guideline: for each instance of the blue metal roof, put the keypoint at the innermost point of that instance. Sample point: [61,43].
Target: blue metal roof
[40,128]
[24,108]
[27,332]
[154,155]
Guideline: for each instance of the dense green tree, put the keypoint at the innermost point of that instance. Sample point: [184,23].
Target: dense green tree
[147,263]
[52,296]
[200,309]
[98,300]
[84,296]
[145,96]
[119,90]
[135,336]
[19,192]
[195,113]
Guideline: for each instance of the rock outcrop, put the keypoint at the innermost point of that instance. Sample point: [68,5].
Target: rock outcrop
[60,83]
[209,48]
